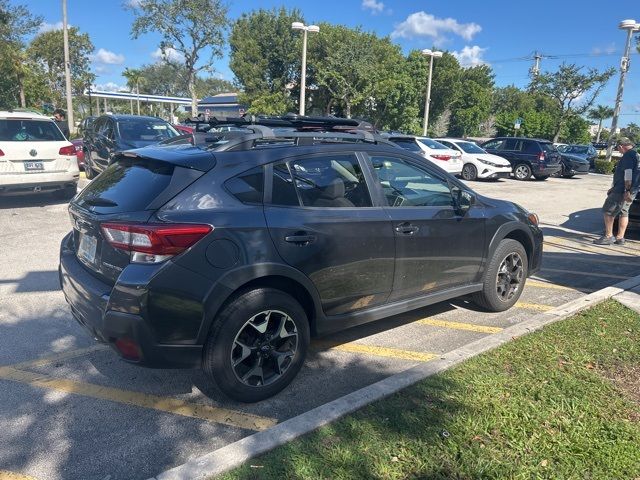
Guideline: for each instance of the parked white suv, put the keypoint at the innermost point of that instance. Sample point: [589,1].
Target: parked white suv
[35,156]
[476,162]
[445,157]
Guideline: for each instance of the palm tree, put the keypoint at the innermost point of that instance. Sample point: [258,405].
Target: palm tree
[134,76]
[599,113]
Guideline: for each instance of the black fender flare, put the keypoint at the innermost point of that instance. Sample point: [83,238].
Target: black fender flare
[503,232]
[233,281]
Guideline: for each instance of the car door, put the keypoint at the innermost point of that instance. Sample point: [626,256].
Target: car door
[323,223]
[437,245]
[105,144]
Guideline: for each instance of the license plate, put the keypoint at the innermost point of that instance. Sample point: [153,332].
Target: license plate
[33,166]
[87,248]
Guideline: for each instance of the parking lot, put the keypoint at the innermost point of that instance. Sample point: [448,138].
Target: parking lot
[71,409]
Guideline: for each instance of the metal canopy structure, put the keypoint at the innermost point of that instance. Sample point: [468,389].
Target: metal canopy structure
[143,97]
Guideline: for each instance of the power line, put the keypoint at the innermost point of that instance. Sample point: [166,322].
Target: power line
[528,58]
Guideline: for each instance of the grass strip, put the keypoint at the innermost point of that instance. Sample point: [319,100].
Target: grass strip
[560,403]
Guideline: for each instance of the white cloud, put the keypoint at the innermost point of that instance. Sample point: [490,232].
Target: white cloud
[47,27]
[111,87]
[107,57]
[470,56]
[609,49]
[373,5]
[101,69]
[421,24]
[169,54]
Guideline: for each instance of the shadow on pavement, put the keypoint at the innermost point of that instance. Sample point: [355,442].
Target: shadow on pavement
[31,200]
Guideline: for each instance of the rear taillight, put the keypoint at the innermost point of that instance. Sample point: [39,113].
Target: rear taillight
[541,157]
[68,150]
[441,157]
[153,243]
[1,153]
[128,348]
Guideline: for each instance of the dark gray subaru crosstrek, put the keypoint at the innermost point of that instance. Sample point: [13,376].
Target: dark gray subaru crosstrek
[230,255]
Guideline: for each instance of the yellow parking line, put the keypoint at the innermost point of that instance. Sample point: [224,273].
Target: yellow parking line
[534,306]
[375,350]
[163,404]
[39,362]
[590,274]
[5,475]
[538,284]
[459,326]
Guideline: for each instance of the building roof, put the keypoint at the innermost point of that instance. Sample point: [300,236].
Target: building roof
[221,98]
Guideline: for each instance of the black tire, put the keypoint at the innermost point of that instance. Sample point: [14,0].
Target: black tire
[499,293]
[234,334]
[469,171]
[88,171]
[541,178]
[67,193]
[522,171]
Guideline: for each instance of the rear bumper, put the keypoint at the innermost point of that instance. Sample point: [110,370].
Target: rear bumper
[89,299]
[37,182]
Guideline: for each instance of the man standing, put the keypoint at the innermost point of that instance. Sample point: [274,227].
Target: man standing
[60,117]
[626,182]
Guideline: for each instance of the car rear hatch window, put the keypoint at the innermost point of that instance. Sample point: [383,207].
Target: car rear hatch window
[128,192]
[26,130]
[551,152]
[407,143]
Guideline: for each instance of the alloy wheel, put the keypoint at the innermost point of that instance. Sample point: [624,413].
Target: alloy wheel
[264,348]
[522,172]
[510,276]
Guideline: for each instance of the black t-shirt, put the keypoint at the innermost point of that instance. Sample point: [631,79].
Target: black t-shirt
[63,125]
[629,161]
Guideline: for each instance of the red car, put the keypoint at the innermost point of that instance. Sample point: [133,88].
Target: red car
[79,144]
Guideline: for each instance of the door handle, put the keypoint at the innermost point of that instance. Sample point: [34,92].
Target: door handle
[406,229]
[301,240]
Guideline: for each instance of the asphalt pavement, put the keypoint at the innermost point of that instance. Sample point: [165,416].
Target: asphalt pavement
[71,410]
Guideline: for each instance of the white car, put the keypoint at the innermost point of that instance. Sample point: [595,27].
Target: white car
[35,156]
[446,158]
[477,163]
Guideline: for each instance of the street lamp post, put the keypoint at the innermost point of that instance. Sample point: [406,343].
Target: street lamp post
[303,76]
[431,54]
[630,26]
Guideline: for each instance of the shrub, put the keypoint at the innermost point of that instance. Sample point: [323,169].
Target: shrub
[602,166]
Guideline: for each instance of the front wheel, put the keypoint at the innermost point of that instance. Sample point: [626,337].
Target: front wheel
[257,345]
[541,178]
[469,172]
[522,171]
[504,278]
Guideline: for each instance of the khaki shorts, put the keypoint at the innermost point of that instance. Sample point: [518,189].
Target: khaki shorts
[615,205]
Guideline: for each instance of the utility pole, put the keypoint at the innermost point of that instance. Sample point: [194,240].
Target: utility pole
[427,101]
[535,70]
[630,26]
[67,70]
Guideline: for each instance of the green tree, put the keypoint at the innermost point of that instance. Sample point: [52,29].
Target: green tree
[47,52]
[189,29]
[16,22]
[135,77]
[212,86]
[472,106]
[265,58]
[568,86]
[600,113]
[632,131]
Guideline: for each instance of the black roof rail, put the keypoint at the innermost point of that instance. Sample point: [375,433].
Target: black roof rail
[288,120]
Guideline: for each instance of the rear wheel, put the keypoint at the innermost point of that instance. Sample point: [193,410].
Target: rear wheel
[67,193]
[88,171]
[469,172]
[257,345]
[505,277]
[522,171]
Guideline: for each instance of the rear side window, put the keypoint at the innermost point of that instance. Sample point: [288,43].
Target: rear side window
[247,187]
[283,193]
[530,147]
[21,130]
[512,144]
[126,186]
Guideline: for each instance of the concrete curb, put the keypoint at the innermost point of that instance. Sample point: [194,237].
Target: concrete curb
[235,454]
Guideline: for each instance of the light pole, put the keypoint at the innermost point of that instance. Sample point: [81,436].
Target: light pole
[630,26]
[67,71]
[303,76]
[432,54]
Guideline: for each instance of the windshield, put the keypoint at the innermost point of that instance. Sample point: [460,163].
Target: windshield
[141,130]
[432,144]
[580,149]
[21,130]
[469,147]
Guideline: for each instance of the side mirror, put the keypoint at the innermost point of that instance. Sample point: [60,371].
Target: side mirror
[462,200]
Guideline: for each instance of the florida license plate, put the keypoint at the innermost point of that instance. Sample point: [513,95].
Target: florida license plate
[33,166]
[87,248]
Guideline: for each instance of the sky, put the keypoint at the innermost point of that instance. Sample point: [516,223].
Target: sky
[502,34]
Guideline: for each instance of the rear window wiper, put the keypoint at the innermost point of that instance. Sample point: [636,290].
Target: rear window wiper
[100,202]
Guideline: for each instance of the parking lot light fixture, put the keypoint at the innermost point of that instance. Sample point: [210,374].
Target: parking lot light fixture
[303,76]
[432,54]
[630,26]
